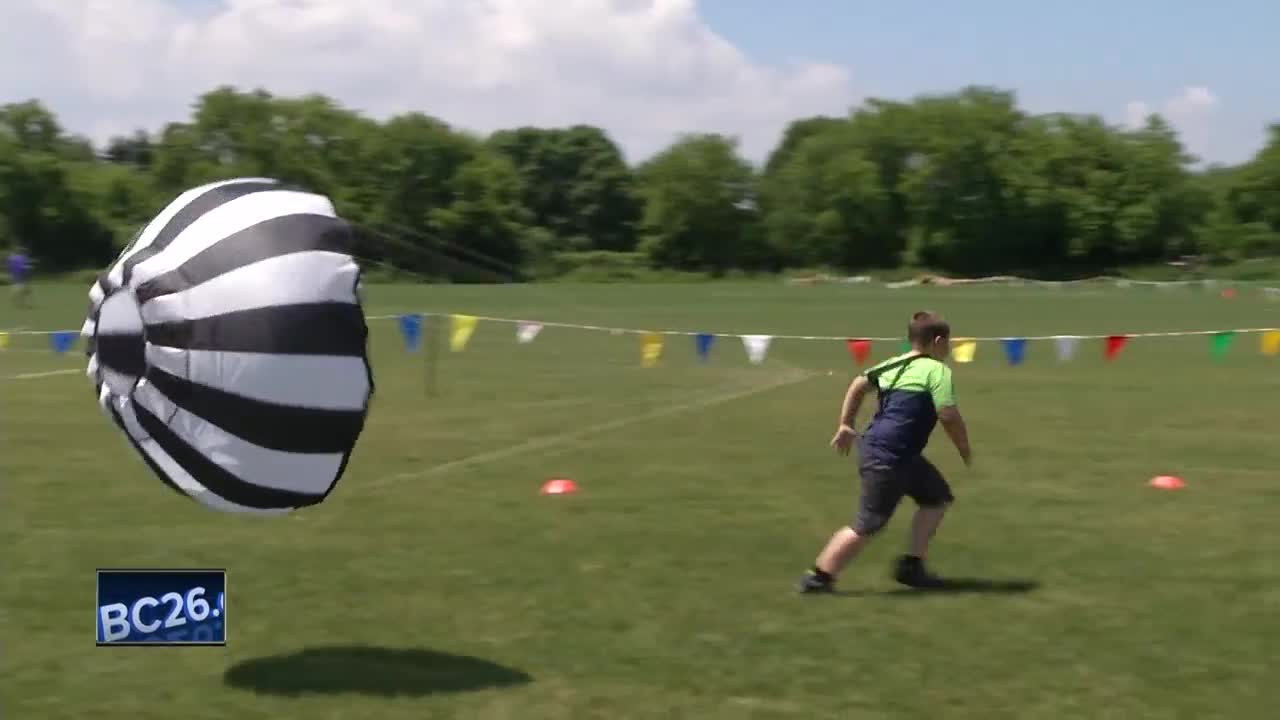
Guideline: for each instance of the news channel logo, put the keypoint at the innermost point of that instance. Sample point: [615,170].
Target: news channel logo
[161,607]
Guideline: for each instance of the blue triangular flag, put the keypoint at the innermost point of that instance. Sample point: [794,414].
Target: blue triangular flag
[62,341]
[1015,349]
[704,341]
[411,329]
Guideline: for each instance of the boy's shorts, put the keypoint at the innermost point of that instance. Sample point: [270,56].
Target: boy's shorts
[883,487]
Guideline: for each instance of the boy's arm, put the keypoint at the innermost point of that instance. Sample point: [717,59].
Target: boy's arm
[944,398]
[956,430]
[853,402]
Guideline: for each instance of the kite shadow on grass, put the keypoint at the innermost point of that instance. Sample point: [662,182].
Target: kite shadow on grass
[377,671]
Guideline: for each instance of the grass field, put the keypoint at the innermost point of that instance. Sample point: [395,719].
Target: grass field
[436,583]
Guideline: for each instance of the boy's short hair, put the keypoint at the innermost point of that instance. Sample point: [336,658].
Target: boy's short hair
[925,326]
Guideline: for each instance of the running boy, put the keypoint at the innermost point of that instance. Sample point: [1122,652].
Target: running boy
[915,392]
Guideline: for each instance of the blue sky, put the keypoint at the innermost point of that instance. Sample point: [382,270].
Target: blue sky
[1085,56]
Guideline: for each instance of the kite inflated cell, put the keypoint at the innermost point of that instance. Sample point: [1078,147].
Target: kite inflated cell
[229,344]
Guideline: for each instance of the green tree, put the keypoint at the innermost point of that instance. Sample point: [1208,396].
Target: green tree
[41,207]
[699,205]
[964,182]
[824,204]
[577,186]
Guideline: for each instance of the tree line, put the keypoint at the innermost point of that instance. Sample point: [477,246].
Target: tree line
[963,183]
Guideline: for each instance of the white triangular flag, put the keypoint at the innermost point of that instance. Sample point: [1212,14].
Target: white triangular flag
[1066,346]
[527,331]
[757,346]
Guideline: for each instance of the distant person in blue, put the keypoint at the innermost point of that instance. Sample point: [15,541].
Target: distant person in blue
[19,277]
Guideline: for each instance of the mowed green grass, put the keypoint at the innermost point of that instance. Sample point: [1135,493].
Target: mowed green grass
[436,582]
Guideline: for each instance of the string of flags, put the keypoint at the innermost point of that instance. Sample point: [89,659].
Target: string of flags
[963,350]
[60,341]
[756,346]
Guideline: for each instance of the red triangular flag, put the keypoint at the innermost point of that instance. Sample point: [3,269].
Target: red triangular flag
[1114,343]
[860,349]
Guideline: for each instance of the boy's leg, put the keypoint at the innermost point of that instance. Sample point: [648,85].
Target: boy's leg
[923,527]
[933,495]
[882,490]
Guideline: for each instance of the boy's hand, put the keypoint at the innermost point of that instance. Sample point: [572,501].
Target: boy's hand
[843,441]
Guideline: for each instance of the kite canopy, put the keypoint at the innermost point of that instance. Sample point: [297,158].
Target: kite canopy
[228,342]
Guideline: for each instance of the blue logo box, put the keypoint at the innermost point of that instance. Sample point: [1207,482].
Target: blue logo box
[161,607]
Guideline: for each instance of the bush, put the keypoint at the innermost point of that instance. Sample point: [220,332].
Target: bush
[595,266]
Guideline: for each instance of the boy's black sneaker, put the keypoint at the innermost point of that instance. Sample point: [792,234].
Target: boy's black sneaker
[911,572]
[813,583]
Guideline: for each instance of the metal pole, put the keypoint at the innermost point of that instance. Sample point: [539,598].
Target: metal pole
[433,352]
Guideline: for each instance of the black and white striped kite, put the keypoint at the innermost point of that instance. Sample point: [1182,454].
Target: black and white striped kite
[229,344]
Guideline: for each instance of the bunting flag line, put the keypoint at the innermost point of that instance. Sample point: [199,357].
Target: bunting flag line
[1271,343]
[842,338]
[702,344]
[756,346]
[1115,343]
[1065,347]
[411,331]
[527,331]
[1015,349]
[650,349]
[860,350]
[460,331]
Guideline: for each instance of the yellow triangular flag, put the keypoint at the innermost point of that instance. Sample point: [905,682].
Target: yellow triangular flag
[4,340]
[650,349]
[461,328]
[1270,342]
[963,350]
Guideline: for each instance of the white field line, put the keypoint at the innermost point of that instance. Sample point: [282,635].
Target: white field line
[581,433]
[47,373]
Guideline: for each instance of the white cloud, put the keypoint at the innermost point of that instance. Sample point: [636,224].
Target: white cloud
[1191,101]
[1136,114]
[1189,112]
[645,70]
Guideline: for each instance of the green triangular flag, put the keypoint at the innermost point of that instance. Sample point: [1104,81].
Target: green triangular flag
[1221,342]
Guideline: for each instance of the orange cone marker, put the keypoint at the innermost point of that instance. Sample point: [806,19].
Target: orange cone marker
[559,486]
[1167,482]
